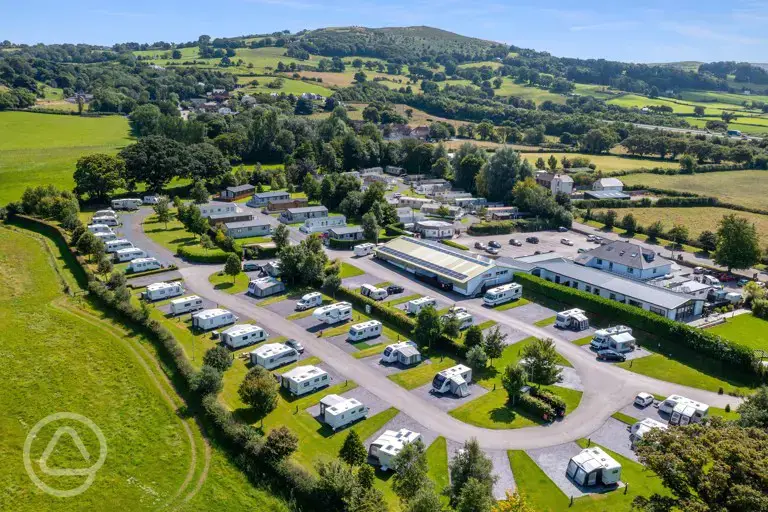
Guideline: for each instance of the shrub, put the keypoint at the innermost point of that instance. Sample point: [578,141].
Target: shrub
[552,399]
[455,245]
[213,256]
[760,308]
[536,406]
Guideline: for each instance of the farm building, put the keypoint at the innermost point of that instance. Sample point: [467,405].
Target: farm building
[272,355]
[247,228]
[292,215]
[337,411]
[265,286]
[468,274]
[280,205]
[304,379]
[405,353]
[608,185]
[238,192]
[323,224]
[261,199]
[389,444]
[239,336]
[606,194]
[434,229]
[626,259]
[346,233]
[594,467]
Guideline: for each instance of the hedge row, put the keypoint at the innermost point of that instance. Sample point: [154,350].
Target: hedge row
[549,398]
[663,202]
[498,227]
[395,230]
[702,342]
[455,245]
[213,257]
[151,272]
[536,406]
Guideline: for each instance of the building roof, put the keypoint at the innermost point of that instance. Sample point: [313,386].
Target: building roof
[346,230]
[212,313]
[307,209]
[624,253]
[610,182]
[229,215]
[564,178]
[271,193]
[264,283]
[245,224]
[434,224]
[220,204]
[336,404]
[241,329]
[271,349]
[606,194]
[241,188]
[302,373]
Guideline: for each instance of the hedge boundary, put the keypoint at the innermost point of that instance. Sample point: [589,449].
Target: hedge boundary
[183,252]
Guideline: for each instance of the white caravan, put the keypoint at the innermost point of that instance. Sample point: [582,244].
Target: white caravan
[389,444]
[602,337]
[99,228]
[107,221]
[129,254]
[160,291]
[143,265]
[502,294]
[594,467]
[126,204]
[573,319]
[105,213]
[683,410]
[453,380]
[309,300]
[405,353]
[333,313]
[639,429]
[337,411]
[368,290]
[186,304]
[365,330]
[239,336]
[212,318]
[105,237]
[304,379]
[465,319]
[364,249]
[273,355]
[413,307]
[151,199]
[116,245]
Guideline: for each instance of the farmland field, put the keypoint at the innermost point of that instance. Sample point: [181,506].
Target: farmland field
[721,97]
[290,86]
[510,88]
[748,125]
[609,163]
[38,149]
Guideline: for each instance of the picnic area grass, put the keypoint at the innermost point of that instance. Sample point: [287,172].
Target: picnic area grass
[746,329]
[224,282]
[624,418]
[349,270]
[42,149]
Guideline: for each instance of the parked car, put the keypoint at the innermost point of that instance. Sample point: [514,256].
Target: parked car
[494,244]
[643,399]
[611,355]
[515,242]
[597,239]
[590,238]
[725,277]
[295,345]
[698,270]
[480,245]
[251,266]
[532,240]
[492,250]
[581,250]
[566,241]
[394,288]
[562,229]
[743,281]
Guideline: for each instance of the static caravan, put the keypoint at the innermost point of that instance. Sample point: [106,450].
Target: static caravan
[602,337]
[389,444]
[333,313]
[126,204]
[239,336]
[453,380]
[405,353]
[143,265]
[364,249]
[129,254]
[337,411]
[639,429]
[309,300]
[107,221]
[573,319]
[160,291]
[212,318]
[105,213]
[465,319]
[594,467]
[273,355]
[304,379]
[413,307]
[368,290]
[502,294]
[116,245]
[186,304]
[99,228]
[105,237]
[265,286]
[322,224]
[365,330]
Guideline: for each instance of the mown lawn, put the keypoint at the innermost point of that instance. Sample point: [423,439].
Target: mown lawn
[224,282]
[173,235]
[437,461]
[414,377]
[349,270]
[748,330]
[512,305]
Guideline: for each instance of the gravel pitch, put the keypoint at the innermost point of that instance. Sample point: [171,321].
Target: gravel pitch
[448,401]
[530,313]
[614,436]
[553,460]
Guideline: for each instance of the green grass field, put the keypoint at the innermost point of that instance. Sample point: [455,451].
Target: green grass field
[175,235]
[609,163]
[290,86]
[747,330]
[510,88]
[38,149]
[423,373]
[747,125]
[224,282]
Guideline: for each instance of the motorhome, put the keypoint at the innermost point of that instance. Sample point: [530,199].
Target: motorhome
[304,379]
[502,294]
[639,429]
[242,335]
[389,444]
[107,221]
[368,290]
[405,353]
[126,204]
[99,228]
[105,213]
[273,355]
[365,330]
[105,237]
[363,249]
[212,318]
[151,199]
[333,313]
[186,305]
[116,245]
[453,380]
[573,319]
[129,254]
[160,291]
[337,411]
[143,265]
[413,307]
[309,300]
[684,411]
[602,338]
[465,319]
[594,467]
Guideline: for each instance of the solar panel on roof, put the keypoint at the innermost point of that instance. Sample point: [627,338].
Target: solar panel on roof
[424,263]
[449,252]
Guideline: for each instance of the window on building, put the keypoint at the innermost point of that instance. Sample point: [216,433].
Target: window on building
[658,311]
[596,291]
[610,265]
[630,270]
[599,261]
[588,288]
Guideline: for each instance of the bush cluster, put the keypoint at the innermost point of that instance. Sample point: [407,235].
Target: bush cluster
[536,406]
[212,257]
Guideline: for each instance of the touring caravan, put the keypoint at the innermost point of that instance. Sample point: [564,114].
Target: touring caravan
[105,237]
[465,319]
[594,467]
[212,318]
[405,353]
[453,380]
[151,199]
[389,444]
[685,410]
[107,221]
[304,379]
[99,228]
[364,249]
[143,265]
[129,254]
[116,245]
[273,355]
[126,204]
[105,213]
[602,337]
[272,268]
[309,300]
[365,330]
[413,307]
[333,313]
[368,290]
[337,411]
[502,294]
[239,336]
[573,319]
[186,305]
[160,291]
[639,429]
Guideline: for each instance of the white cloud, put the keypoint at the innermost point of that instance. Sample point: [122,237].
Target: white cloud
[703,32]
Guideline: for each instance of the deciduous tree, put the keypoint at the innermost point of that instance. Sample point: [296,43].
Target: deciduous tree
[513,379]
[494,343]
[218,357]
[98,175]
[410,466]
[540,360]
[470,463]
[259,390]
[233,267]
[738,245]
[428,328]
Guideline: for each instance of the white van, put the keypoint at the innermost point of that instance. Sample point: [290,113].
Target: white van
[310,300]
[368,290]
[239,336]
[502,294]
[107,221]
[143,265]
[129,254]
[365,330]
[186,304]
[99,228]
[364,249]
[160,291]
[413,307]
[116,245]
[602,338]
[106,237]
[126,204]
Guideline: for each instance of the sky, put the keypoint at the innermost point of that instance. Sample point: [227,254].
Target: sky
[649,31]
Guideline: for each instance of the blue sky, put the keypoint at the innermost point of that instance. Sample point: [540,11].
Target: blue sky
[648,31]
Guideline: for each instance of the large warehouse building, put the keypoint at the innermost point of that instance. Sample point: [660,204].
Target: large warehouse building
[468,274]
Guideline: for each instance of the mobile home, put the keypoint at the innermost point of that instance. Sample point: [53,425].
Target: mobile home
[242,335]
[502,294]
[337,411]
[143,265]
[368,290]
[265,286]
[465,319]
[160,291]
[389,444]
[594,467]
[309,300]
[453,380]
[116,245]
[273,355]
[605,338]
[333,313]
[364,249]
[186,304]
[573,319]
[304,379]
[126,204]
[212,318]
[107,221]
[405,353]
[99,228]
[365,330]
[322,224]
[129,254]
[105,237]
[413,307]
[639,429]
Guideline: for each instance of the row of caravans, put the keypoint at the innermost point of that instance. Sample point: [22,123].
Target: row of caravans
[133,203]
[123,250]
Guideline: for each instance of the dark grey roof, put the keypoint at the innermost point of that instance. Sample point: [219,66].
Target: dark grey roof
[276,193]
[246,223]
[241,188]
[308,209]
[231,215]
[346,230]
[606,194]
[624,253]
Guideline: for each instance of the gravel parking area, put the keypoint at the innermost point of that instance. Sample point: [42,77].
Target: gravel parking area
[374,403]
[139,282]
[553,460]
[283,308]
[166,308]
[513,335]
[530,313]
[448,401]
[568,334]
[614,436]
[570,379]
[344,344]
[405,421]
[645,412]
[548,241]
[387,369]
[355,282]
[635,354]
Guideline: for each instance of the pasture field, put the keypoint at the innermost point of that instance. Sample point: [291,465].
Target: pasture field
[721,97]
[747,188]
[751,125]
[608,163]
[262,59]
[510,88]
[489,63]
[598,91]
[637,101]
[40,149]
[290,86]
